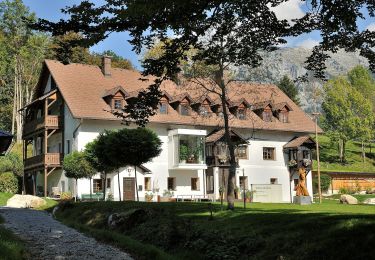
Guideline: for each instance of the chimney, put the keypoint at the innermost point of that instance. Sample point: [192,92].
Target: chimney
[106,65]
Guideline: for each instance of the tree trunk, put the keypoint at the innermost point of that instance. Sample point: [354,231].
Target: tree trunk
[90,188]
[232,158]
[105,185]
[363,152]
[76,193]
[118,180]
[341,150]
[136,184]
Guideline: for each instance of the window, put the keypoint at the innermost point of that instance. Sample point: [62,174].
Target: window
[295,181]
[147,183]
[171,183]
[273,180]
[243,181]
[67,146]
[241,114]
[283,116]
[306,154]
[209,150]
[97,185]
[204,110]
[191,149]
[210,184]
[163,108]
[241,152]
[293,155]
[185,109]
[108,183]
[194,183]
[117,104]
[268,153]
[267,116]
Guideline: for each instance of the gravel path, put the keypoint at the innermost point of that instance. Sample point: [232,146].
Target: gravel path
[47,238]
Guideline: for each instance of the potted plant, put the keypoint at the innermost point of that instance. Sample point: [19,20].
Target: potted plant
[236,192]
[292,163]
[149,197]
[167,196]
[184,153]
[249,195]
[306,162]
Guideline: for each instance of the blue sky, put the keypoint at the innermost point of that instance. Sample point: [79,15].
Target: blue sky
[118,42]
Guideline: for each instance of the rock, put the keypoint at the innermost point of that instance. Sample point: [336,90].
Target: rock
[55,209]
[25,201]
[370,201]
[128,219]
[348,199]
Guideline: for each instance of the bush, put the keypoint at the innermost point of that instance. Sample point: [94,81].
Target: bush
[66,195]
[325,182]
[8,182]
[12,162]
[347,191]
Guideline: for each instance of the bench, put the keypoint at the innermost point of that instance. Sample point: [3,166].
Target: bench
[95,196]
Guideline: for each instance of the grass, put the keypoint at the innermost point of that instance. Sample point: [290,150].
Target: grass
[330,159]
[11,247]
[262,231]
[4,198]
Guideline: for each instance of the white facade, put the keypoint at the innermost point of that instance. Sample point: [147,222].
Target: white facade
[78,133]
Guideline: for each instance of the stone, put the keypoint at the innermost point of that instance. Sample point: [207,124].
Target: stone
[25,201]
[302,200]
[370,201]
[348,199]
[127,220]
[55,209]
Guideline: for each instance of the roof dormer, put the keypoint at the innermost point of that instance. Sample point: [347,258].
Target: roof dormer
[264,110]
[115,97]
[182,104]
[202,106]
[282,111]
[239,108]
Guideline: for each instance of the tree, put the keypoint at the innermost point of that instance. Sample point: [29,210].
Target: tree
[76,166]
[136,147]
[24,50]
[347,114]
[361,79]
[96,155]
[223,33]
[289,88]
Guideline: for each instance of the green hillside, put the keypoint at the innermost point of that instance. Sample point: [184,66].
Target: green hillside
[330,159]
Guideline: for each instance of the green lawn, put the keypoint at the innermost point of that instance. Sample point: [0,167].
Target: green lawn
[4,198]
[11,247]
[330,159]
[262,231]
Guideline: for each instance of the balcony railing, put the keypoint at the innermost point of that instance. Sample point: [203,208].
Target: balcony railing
[49,159]
[52,121]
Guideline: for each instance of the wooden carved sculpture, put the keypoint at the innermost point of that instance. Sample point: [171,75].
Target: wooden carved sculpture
[301,189]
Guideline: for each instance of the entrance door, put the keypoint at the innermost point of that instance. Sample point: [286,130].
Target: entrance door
[223,180]
[129,189]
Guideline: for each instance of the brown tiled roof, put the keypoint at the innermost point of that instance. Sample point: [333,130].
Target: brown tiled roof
[113,91]
[217,135]
[299,141]
[82,87]
[279,106]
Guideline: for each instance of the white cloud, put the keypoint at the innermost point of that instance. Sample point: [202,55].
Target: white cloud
[308,43]
[371,27]
[290,10]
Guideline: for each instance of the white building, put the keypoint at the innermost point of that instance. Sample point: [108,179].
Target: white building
[72,105]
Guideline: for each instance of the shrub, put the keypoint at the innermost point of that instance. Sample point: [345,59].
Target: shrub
[325,182]
[8,182]
[66,195]
[12,162]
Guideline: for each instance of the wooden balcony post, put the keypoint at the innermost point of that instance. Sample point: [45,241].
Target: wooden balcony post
[45,181]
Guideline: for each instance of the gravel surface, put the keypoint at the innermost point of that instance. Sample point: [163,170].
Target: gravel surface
[46,238]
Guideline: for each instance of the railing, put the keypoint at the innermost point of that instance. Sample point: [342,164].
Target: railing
[49,159]
[52,121]
[217,161]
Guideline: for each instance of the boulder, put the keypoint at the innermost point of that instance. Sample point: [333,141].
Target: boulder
[25,201]
[127,220]
[348,199]
[370,201]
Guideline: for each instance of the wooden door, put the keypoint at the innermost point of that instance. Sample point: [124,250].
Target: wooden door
[129,188]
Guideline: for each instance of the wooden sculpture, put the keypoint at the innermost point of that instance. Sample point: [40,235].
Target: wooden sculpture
[301,189]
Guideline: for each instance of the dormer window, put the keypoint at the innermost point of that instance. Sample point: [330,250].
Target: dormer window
[204,110]
[283,116]
[117,104]
[241,113]
[267,114]
[184,109]
[163,108]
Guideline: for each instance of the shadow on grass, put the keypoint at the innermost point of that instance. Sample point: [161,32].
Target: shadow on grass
[263,231]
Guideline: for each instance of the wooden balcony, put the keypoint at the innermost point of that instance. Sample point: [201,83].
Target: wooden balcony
[49,159]
[51,122]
